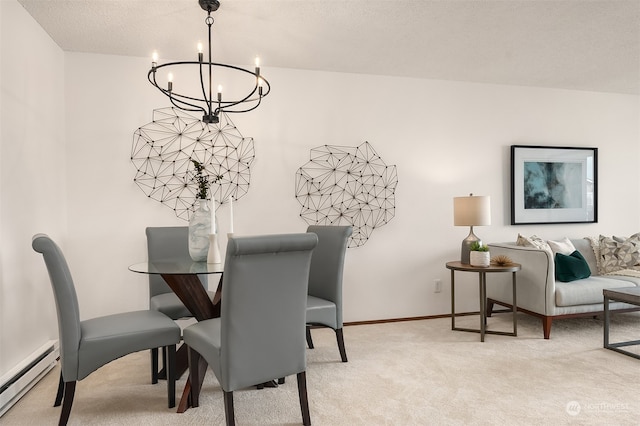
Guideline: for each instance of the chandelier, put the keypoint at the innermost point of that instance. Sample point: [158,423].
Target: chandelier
[205,102]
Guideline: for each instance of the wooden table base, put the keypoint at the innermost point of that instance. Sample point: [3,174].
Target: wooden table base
[192,293]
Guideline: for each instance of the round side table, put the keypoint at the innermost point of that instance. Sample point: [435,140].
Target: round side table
[482,272]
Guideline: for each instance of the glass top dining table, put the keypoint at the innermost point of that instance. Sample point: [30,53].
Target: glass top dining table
[177,268]
[182,278]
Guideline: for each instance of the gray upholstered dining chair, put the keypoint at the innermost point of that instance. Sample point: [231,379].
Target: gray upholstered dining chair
[324,303]
[87,345]
[261,332]
[167,243]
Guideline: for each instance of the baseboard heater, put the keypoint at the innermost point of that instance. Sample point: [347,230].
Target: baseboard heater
[26,374]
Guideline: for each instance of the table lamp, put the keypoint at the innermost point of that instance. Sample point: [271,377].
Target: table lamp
[471,211]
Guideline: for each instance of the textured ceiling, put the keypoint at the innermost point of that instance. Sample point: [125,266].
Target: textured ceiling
[571,44]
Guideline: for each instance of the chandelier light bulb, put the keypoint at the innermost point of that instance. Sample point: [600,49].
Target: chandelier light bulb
[200,55]
[154,59]
[219,93]
[170,82]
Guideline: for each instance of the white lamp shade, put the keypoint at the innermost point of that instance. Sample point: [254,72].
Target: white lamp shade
[472,211]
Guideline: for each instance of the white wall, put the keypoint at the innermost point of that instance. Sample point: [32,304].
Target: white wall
[33,195]
[446,138]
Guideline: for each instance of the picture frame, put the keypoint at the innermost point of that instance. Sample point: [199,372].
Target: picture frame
[553,185]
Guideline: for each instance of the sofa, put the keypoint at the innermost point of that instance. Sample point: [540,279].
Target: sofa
[541,295]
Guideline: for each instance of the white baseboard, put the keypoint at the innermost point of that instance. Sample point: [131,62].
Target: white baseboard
[21,378]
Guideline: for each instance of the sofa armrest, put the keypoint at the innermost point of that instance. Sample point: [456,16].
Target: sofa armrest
[535,281]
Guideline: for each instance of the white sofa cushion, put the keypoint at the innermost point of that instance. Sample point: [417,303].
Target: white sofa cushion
[586,291]
[583,245]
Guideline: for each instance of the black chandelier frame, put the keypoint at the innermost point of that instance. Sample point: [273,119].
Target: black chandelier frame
[212,108]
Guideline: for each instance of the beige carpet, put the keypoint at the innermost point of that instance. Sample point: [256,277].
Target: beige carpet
[407,373]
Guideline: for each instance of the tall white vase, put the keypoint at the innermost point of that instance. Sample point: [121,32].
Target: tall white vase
[199,230]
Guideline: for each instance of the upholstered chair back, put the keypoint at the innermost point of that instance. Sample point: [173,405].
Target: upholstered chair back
[167,243]
[264,294]
[68,310]
[327,264]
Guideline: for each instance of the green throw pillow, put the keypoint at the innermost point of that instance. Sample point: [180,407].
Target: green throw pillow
[571,267]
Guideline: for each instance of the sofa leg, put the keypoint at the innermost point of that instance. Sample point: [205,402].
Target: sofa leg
[546,326]
[489,307]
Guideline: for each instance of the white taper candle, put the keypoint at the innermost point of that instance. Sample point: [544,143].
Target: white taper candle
[231,213]
[213,212]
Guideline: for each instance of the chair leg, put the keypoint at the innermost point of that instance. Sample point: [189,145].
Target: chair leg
[194,377]
[340,338]
[154,366]
[309,340]
[60,393]
[304,400]
[69,392]
[162,374]
[170,368]
[228,408]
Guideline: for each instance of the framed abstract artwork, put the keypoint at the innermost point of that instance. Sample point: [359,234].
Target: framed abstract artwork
[553,185]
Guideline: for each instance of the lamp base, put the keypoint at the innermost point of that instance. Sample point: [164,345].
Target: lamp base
[466,247]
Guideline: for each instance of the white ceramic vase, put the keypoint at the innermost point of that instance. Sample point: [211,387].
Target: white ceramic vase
[199,230]
[479,258]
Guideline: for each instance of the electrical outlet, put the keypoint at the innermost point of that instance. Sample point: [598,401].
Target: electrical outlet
[438,286]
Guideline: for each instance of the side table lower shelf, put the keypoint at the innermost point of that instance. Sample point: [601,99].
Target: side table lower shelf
[482,283]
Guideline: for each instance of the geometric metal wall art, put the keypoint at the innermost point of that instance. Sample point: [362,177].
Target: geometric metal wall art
[345,185]
[163,152]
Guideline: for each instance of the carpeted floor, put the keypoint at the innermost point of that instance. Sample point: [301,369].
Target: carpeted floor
[405,373]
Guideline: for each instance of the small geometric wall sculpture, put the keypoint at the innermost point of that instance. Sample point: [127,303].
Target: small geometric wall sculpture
[163,151]
[345,185]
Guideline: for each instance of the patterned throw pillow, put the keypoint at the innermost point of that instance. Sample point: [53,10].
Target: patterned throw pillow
[617,255]
[533,241]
